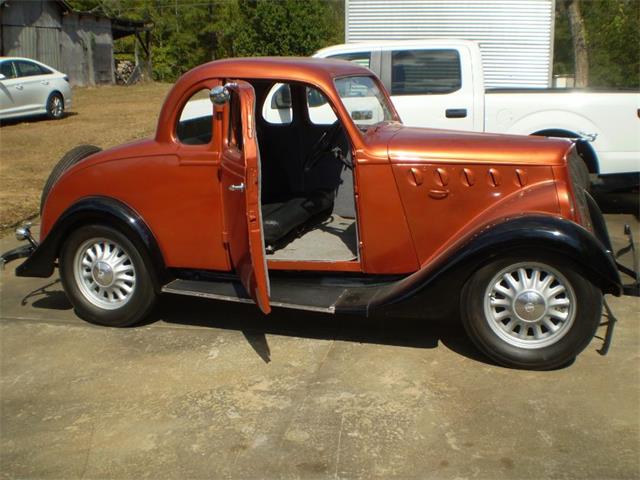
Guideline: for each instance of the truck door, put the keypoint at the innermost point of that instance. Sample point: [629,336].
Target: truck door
[431,87]
[240,184]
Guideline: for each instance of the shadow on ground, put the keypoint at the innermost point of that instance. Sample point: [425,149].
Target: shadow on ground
[401,332]
[245,318]
[40,118]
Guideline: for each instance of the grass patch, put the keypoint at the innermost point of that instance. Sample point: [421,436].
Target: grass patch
[104,116]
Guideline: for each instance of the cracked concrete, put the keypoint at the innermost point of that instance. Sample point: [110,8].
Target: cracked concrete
[215,390]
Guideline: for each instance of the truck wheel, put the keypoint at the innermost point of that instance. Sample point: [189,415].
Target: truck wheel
[105,277]
[530,313]
[69,159]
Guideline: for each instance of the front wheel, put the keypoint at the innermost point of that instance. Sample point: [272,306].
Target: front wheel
[530,313]
[106,277]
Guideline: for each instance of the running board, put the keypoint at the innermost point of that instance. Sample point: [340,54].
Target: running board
[306,293]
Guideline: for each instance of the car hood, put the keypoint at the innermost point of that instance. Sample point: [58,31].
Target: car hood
[410,144]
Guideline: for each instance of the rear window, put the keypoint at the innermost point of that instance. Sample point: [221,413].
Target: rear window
[361,58]
[195,126]
[420,72]
[29,69]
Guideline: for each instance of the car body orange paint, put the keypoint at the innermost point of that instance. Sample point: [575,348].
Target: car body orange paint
[417,190]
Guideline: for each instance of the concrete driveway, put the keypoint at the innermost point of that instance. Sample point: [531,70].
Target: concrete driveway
[215,390]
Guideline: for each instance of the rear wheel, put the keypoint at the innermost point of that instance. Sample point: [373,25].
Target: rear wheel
[55,106]
[106,277]
[530,313]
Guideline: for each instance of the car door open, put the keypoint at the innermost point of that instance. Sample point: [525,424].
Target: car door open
[240,184]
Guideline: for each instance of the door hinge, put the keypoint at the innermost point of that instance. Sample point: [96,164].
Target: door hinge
[225,239]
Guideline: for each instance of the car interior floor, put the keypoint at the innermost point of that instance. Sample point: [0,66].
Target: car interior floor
[308,203]
[333,240]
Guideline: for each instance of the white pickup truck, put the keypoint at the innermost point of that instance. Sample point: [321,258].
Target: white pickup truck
[439,84]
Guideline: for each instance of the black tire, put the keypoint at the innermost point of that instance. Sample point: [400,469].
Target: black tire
[55,106]
[69,159]
[501,344]
[89,300]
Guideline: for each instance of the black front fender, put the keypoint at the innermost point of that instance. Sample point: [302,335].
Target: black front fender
[102,210]
[437,286]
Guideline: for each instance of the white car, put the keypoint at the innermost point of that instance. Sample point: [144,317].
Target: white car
[29,88]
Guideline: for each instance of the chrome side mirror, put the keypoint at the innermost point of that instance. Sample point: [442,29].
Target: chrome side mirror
[219,95]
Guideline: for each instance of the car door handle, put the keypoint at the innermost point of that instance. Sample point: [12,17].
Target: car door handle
[438,194]
[456,112]
[237,188]
[44,82]
[19,87]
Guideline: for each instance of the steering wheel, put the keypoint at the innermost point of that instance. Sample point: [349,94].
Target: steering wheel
[323,145]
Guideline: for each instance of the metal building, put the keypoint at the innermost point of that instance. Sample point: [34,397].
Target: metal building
[515,36]
[76,43]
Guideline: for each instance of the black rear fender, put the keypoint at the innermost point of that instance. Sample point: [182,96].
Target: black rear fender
[94,210]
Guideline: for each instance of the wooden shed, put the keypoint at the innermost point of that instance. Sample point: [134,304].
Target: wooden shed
[79,44]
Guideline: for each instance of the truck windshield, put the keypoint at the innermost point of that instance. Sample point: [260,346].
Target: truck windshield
[364,101]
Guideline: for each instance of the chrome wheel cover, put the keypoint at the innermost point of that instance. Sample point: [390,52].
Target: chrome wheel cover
[104,273]
[56,106]
[530,305]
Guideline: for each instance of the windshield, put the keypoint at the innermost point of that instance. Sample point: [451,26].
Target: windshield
[364,101]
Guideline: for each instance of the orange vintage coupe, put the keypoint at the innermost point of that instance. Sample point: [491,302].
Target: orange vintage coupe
[291,182]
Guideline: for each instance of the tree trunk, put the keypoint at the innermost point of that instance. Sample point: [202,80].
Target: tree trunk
[579,37]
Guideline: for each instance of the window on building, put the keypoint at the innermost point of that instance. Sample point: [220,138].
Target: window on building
[419,72]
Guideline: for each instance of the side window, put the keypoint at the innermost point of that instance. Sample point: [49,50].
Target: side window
[29,69]
[361,58]
[277,108]
[419,72]
[235,122]
[6,68]
[195,126]
[319,108]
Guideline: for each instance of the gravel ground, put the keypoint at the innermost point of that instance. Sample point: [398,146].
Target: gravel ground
[217,390]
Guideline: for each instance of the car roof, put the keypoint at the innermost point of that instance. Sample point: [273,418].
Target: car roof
[4,59]
[20,58]
[303,69]
[319,72]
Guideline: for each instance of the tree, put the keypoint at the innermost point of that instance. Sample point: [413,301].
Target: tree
[612,34]
[187,33]
[579,39]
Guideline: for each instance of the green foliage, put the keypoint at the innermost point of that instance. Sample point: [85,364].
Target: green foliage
[287,27]
[613,42]
[187,33]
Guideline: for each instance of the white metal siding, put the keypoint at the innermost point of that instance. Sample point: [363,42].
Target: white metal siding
[515,36]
